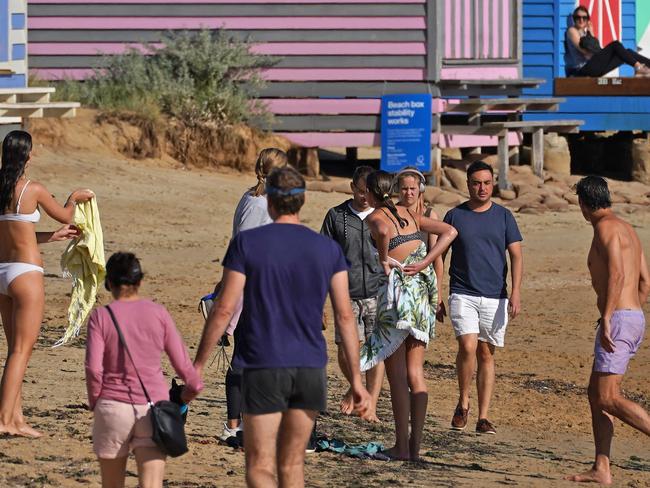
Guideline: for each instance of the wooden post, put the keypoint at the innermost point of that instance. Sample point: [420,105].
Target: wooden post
[538,152]
[474,119]
[436,166]
[312,162]
[435,177]
[352,155]
[305,160]
[513,156]
[435,44]
[504,184]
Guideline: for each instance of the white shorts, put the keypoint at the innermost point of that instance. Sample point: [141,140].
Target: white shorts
[487,317]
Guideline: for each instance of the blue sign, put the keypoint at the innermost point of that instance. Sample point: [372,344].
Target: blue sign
[406,132]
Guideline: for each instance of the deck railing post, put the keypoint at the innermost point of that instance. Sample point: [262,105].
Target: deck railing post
[435,176]
[502,155]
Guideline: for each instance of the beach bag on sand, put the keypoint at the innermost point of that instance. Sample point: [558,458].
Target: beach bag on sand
[166,418]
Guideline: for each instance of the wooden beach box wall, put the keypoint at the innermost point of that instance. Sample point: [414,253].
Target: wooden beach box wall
[338,56]
[13,43]
[481,39]
[544,26]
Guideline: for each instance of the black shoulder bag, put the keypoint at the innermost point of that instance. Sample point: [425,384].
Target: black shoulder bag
[589,43]
[166,418]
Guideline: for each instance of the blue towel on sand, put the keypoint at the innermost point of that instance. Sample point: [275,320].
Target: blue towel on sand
[371,450]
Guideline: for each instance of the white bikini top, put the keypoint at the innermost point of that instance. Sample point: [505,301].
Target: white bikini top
[33,217]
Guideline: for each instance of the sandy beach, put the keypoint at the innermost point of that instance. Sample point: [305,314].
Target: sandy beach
[178,221]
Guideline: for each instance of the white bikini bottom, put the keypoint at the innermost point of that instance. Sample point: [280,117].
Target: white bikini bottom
[11,271]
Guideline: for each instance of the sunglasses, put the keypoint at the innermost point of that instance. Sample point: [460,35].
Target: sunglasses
[581,17]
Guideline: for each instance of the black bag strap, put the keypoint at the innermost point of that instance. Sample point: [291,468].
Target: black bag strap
[126,348]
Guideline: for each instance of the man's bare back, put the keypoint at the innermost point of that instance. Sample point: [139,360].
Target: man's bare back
[615,240]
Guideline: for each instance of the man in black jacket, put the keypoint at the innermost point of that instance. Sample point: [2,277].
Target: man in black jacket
[345,224]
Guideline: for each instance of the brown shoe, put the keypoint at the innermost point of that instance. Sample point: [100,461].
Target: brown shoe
[484,426]
[459,420]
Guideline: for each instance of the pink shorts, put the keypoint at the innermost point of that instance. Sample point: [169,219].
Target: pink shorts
[119,428]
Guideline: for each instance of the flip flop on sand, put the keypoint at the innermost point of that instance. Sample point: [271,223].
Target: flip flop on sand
[385,455]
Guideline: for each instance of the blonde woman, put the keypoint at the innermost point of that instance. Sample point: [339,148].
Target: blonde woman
[251,212]
[409,184]
[22,292]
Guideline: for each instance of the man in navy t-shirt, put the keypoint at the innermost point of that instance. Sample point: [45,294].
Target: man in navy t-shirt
[478,300]
[285,271]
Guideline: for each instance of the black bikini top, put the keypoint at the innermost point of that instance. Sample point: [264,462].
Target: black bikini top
[400,239]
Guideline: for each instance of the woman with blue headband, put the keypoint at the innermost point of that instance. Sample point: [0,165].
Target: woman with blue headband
[251,212]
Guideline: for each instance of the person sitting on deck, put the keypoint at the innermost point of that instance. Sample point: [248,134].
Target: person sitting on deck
[584,58]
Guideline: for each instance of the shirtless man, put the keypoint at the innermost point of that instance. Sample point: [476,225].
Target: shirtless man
[619,275]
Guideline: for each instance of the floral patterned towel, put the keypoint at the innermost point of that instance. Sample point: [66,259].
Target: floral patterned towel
[406,305]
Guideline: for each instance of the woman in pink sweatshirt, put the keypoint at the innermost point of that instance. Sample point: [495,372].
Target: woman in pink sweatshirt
[122,421]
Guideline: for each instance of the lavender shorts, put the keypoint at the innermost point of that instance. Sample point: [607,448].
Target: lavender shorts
[628,328]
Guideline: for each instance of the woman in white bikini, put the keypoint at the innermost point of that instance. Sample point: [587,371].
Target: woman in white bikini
[22,294]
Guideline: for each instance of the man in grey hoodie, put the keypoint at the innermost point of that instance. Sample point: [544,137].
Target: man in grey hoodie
[345,224]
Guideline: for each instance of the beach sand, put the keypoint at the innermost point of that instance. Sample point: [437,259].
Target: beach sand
[178,221]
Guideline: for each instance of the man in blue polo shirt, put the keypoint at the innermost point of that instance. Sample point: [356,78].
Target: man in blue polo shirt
[285,271]
[478,301]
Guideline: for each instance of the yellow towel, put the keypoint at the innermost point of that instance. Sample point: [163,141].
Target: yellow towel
[84,261]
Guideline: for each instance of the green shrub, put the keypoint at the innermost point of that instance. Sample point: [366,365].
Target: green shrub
[197,77]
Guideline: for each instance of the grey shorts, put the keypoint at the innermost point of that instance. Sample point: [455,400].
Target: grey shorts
[271,390]
[365,316]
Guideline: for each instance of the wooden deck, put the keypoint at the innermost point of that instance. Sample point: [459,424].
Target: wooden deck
[584,86]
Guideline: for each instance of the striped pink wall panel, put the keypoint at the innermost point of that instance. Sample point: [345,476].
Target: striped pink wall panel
[341,48]
[271,74]
[480,29]
[339,139]
[453,140]
[326,48]
[373,139]
[488,73]
[217,2]
[285,23]
[335,40]
[289,106]
[359,74]
[496,72]
[269,48]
